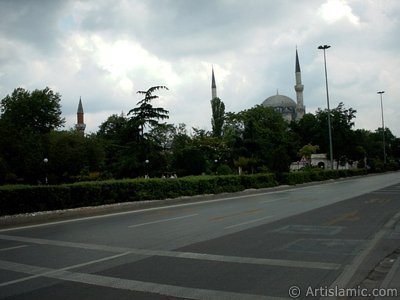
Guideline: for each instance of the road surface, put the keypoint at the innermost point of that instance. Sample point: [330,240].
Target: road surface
[267,245]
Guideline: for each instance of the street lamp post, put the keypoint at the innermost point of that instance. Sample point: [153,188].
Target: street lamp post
[146,163]
[383,129]
[45,160]
[324,47]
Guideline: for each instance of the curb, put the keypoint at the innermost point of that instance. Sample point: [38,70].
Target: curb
[391,277]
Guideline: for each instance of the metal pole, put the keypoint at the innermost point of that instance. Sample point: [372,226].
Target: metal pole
[383,129]
[329,110]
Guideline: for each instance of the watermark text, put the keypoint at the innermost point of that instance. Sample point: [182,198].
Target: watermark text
[325,291]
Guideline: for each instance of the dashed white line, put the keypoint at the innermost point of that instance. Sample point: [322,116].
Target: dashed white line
[273,200]
[161,221]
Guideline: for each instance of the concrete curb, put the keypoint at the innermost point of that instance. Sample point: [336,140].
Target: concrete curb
[391,279]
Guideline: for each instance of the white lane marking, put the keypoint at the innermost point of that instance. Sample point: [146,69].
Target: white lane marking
[161,221]
[273,200]
[12,248]
[248,222]
[43,271]
[176,254]
[131,285]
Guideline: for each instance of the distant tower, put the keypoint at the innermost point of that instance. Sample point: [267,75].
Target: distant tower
[213,85]
[80,125]
[299,87]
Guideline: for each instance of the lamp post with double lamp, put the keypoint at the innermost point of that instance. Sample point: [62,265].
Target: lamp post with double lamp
[324,47]
[146,163]
[383,129]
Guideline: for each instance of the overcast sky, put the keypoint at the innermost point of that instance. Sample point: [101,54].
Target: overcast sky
[106,50]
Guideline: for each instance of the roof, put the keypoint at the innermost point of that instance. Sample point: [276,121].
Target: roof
[279,101]
[80,107]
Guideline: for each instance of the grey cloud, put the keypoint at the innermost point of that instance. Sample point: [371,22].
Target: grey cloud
[32,22]
[252,41]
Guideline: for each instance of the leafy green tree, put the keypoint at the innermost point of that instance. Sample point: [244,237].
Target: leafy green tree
[218,116]
[256,133]
[38,111]
[25,121]
[119,137]
[145,114]
[308,130]
[307,150]
[342,134]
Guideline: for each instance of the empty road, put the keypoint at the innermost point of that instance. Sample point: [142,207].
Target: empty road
[247,246]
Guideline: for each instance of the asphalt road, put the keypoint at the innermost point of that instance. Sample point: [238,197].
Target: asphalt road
[254,246]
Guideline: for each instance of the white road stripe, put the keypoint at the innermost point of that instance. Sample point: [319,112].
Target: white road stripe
[131,285]
[13,248]
[178,254]
[273,200]
[248,222]
[43,271]
[161,221]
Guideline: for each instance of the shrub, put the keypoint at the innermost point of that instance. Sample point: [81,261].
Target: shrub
[16,199]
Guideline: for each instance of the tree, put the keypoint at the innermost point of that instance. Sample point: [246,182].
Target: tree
[261,135]
[145,114]
[342,133]
[119,137]
[38,111]
[26,120]
[307,150]
[218,116]
[308,130]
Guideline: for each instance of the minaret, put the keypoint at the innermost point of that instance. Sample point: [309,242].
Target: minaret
[299,87]
[213,85]
[80,125]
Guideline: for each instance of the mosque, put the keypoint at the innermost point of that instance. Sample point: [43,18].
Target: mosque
[289,109]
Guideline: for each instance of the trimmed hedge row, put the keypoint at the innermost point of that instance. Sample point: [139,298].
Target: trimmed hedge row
[25,199]
[318,175]
[16,199]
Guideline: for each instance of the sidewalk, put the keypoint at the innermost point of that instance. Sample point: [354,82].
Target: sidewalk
[392,281]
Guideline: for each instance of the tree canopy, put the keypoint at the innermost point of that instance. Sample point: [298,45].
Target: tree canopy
[38,111]
[218,116]
[145,114]
[257,139]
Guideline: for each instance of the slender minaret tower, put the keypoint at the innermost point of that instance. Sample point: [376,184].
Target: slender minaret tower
[80,125]
[299,87]
[213,85]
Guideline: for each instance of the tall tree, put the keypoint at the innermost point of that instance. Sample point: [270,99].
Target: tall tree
[38,111]
[145,114]
[342,121]
[26,119]
[218,116]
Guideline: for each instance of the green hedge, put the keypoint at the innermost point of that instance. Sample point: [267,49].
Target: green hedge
[318,175]
[15,199]
[25,199]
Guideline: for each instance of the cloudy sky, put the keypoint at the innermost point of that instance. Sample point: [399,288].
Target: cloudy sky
[106,50]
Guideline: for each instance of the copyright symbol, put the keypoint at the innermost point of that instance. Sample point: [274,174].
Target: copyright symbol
[294,292]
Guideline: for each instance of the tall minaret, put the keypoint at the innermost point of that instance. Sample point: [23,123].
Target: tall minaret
[80,125]
[213,85]
[299,87]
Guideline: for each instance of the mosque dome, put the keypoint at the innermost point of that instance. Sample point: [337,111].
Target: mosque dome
[279,101]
